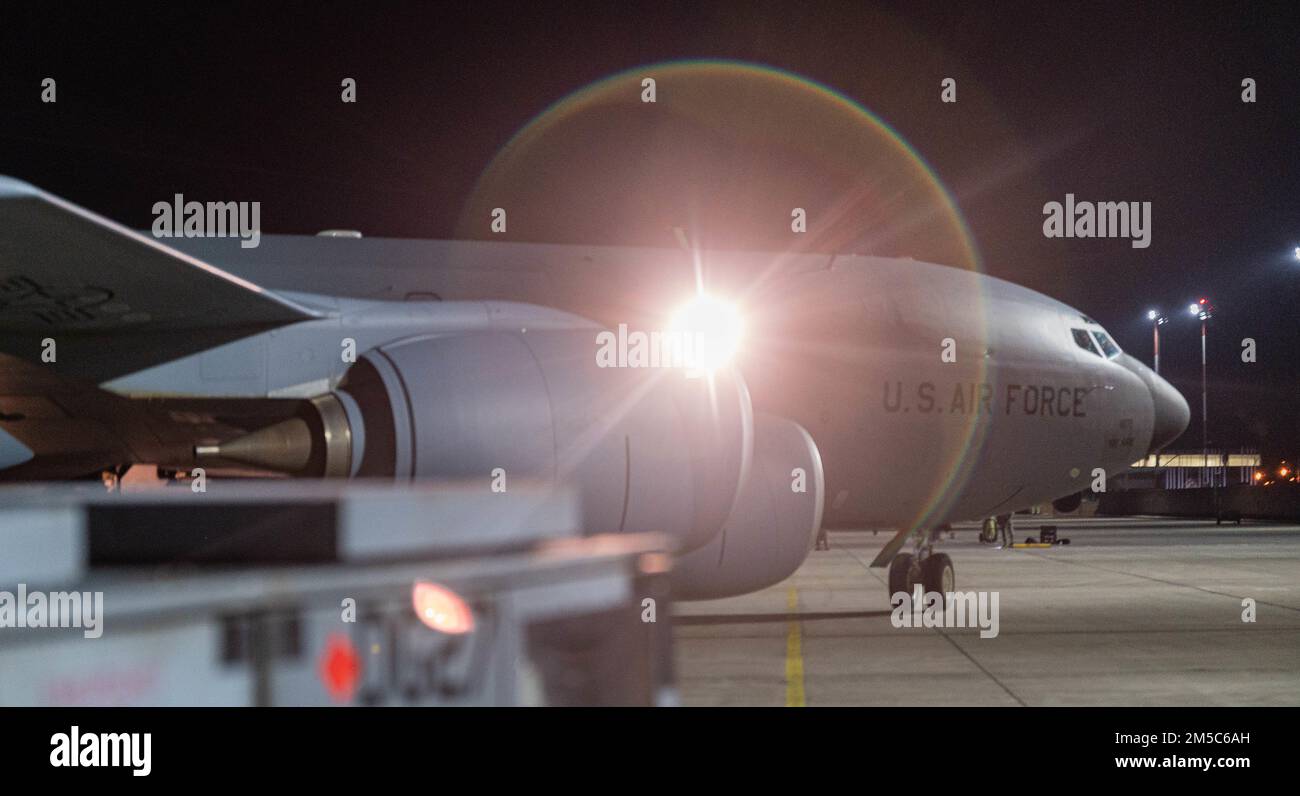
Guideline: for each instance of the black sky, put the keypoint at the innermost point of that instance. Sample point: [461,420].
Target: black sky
[1109,102]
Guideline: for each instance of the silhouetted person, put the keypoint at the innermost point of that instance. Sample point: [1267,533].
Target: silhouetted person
[1004,527]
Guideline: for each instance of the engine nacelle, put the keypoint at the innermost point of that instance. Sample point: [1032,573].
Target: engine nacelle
[646,449]
[773,526]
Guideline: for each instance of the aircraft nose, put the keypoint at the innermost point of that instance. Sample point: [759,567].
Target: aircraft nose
[1171,414]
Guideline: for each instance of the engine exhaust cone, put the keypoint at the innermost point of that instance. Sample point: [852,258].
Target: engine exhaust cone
[283,447]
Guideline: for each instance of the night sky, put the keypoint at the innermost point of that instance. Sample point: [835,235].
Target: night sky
[1103,101]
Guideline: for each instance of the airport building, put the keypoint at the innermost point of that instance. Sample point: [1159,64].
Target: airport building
[1192,469]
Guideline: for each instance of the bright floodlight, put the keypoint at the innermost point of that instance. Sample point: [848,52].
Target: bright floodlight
[1152,315]
[1297,252]
[712,328]
[1194,308]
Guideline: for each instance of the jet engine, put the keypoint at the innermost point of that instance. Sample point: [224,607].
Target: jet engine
[773,525]
[646,449]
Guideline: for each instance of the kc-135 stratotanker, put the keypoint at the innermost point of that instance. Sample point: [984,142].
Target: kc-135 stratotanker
[863,392]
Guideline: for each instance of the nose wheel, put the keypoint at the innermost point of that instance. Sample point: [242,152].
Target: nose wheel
[904,574]
[938,573]
[933,571]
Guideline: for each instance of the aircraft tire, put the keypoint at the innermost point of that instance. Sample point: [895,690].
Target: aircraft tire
[938,574]
[904,574]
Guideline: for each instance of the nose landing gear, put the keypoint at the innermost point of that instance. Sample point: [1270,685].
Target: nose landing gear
[933,571]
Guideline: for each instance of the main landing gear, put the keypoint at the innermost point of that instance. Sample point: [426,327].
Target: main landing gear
[933,571]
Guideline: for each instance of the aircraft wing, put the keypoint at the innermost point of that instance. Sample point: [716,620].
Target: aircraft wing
[110,300]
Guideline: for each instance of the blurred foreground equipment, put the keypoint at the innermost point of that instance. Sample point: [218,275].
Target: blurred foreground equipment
[265,593]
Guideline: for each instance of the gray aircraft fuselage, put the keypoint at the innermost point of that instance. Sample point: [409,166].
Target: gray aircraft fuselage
[933,394]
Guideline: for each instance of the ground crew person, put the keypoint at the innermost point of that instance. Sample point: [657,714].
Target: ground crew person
[1004,525]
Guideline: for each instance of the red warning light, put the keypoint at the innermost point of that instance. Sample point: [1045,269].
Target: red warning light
[441,609]
[340,667]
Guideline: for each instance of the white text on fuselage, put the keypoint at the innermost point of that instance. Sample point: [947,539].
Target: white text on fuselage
[970,398]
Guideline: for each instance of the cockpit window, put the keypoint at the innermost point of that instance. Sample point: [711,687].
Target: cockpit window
[1111,350]
[1084,341]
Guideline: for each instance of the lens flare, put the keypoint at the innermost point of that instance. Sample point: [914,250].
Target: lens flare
[716,172]
[714,329]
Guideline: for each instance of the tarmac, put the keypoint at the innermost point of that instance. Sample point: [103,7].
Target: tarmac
[1134,611]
